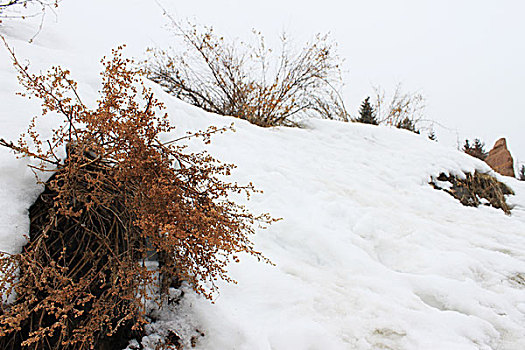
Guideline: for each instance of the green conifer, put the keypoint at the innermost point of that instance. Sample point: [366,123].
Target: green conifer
[367,114]
[476,150]
[407,124]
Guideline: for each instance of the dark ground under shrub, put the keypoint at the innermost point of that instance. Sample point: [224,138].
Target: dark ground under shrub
[74,249]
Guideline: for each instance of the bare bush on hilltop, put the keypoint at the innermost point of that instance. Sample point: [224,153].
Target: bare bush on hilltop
[251,81]
[119,194]
[404,110]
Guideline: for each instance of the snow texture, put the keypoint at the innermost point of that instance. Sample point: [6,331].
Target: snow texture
[367,256]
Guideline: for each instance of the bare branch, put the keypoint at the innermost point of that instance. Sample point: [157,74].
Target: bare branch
[20,150]
[251,81]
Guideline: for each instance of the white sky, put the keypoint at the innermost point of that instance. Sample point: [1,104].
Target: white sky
[466,56]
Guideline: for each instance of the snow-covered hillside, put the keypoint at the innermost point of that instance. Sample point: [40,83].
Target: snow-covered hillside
[368,255]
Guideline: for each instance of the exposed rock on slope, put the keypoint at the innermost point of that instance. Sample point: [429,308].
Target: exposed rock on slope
[499,158]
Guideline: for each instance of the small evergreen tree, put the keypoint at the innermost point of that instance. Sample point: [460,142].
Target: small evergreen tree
[476,150]
[521,175]
[466,146]
[432,135]
[479,147]
[407,124]
[367,114]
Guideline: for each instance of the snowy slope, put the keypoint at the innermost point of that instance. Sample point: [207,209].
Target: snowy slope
[367,256]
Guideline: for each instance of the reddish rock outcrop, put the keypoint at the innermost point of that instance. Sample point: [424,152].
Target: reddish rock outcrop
[499,158]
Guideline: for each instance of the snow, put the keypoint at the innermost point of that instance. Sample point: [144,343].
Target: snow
[367,254]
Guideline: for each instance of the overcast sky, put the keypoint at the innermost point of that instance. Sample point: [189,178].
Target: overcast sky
[466,56]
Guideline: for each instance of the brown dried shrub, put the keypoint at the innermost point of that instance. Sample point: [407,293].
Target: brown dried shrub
[473,188]
[119,194]
[249,80]
[404,110]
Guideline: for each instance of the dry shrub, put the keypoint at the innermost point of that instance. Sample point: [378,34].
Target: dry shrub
[474,187]
[404,110]
[119,194]
[4,4]
[251,81]
[25,8]
[22,9]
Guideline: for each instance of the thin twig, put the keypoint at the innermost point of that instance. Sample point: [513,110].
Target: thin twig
[17,149]
[198,134]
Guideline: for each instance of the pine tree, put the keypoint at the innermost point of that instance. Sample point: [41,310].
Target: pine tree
[521,175]
[476,150]
[466,146]
[432,135]
[407,124]
[367,114]
[479,148]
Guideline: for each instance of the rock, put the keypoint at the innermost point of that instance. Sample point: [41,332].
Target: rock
[499,158]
